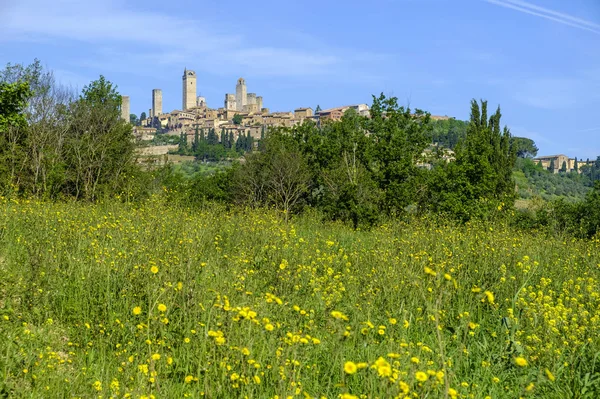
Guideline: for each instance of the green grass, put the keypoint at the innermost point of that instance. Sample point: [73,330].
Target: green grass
[249,302]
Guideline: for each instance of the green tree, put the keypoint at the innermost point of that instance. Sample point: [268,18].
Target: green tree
[480,179]
[399,138]
[237,119]
[524,147]
[563,167]
[133,119]
[576,165]
[143,117]
[552,166]
[318,109]
[100,146]
[13,124]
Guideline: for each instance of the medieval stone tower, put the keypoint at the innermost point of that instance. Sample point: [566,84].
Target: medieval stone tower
[189,89]
[125,108]
[240,95]
[156,103]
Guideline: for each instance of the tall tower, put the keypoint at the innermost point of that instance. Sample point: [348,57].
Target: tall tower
[240,95]
[125,108]
[156,103]
[189,89]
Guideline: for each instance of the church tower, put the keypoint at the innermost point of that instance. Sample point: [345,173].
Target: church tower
[241,95]
[189,89]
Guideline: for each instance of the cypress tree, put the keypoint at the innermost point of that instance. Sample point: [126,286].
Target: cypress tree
[552,166]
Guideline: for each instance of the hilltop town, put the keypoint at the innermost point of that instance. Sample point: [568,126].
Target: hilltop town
[252,117]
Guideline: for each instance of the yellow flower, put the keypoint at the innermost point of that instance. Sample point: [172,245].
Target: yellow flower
[154,269]
[530,387]
[452,392]
[490,296]
[137,310]
[186,340]
[188,379]
[98,386]
[550,376]
[350,367]
[269,327]
[256,379]
[393,321]
[415,360]
[421,376]
[348,396]
[338,315]
[521,361]
[156,356]
[162,307]
[404,387]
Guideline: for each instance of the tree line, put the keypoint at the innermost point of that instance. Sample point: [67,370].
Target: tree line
[55,144]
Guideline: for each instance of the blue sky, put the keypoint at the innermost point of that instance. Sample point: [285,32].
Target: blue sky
[538,59]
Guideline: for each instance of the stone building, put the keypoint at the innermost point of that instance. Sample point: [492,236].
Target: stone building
[241,95]
[201,101]
[230,102]
[189,89]
[125,108]
[546,162]
[303,113]
[156,103]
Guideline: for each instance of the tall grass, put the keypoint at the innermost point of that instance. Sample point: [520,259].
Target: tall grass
[118,300]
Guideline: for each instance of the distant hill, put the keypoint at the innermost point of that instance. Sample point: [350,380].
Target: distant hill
[533,180]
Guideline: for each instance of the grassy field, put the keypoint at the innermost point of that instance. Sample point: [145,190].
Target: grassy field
[145,301]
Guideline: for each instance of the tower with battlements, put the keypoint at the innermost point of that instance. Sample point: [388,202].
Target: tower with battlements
[189,90]
[240,95]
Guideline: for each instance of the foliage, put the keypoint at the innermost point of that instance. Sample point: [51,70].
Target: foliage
[237,119]
[534,180]
[480,180]
[156,299]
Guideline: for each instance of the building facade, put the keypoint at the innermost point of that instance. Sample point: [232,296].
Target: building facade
[125,108]
[156,103]
[241,95]
[189,89]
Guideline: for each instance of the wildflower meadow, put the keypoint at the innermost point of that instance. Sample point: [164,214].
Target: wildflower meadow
[152,300]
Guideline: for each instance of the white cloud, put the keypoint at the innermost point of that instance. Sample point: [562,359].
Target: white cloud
[552,15]
[160,39]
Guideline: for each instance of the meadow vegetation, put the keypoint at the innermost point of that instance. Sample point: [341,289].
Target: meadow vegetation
[346,259]
[152,300]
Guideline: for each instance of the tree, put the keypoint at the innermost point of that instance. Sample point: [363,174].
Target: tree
[100,146]
[237,119]
[278,176]
[318,109]
[13,100]
[552,167]
[524,147]
[480,180]
[143,117]
[133,119]
[563,167]
[576,165]
[399,138]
